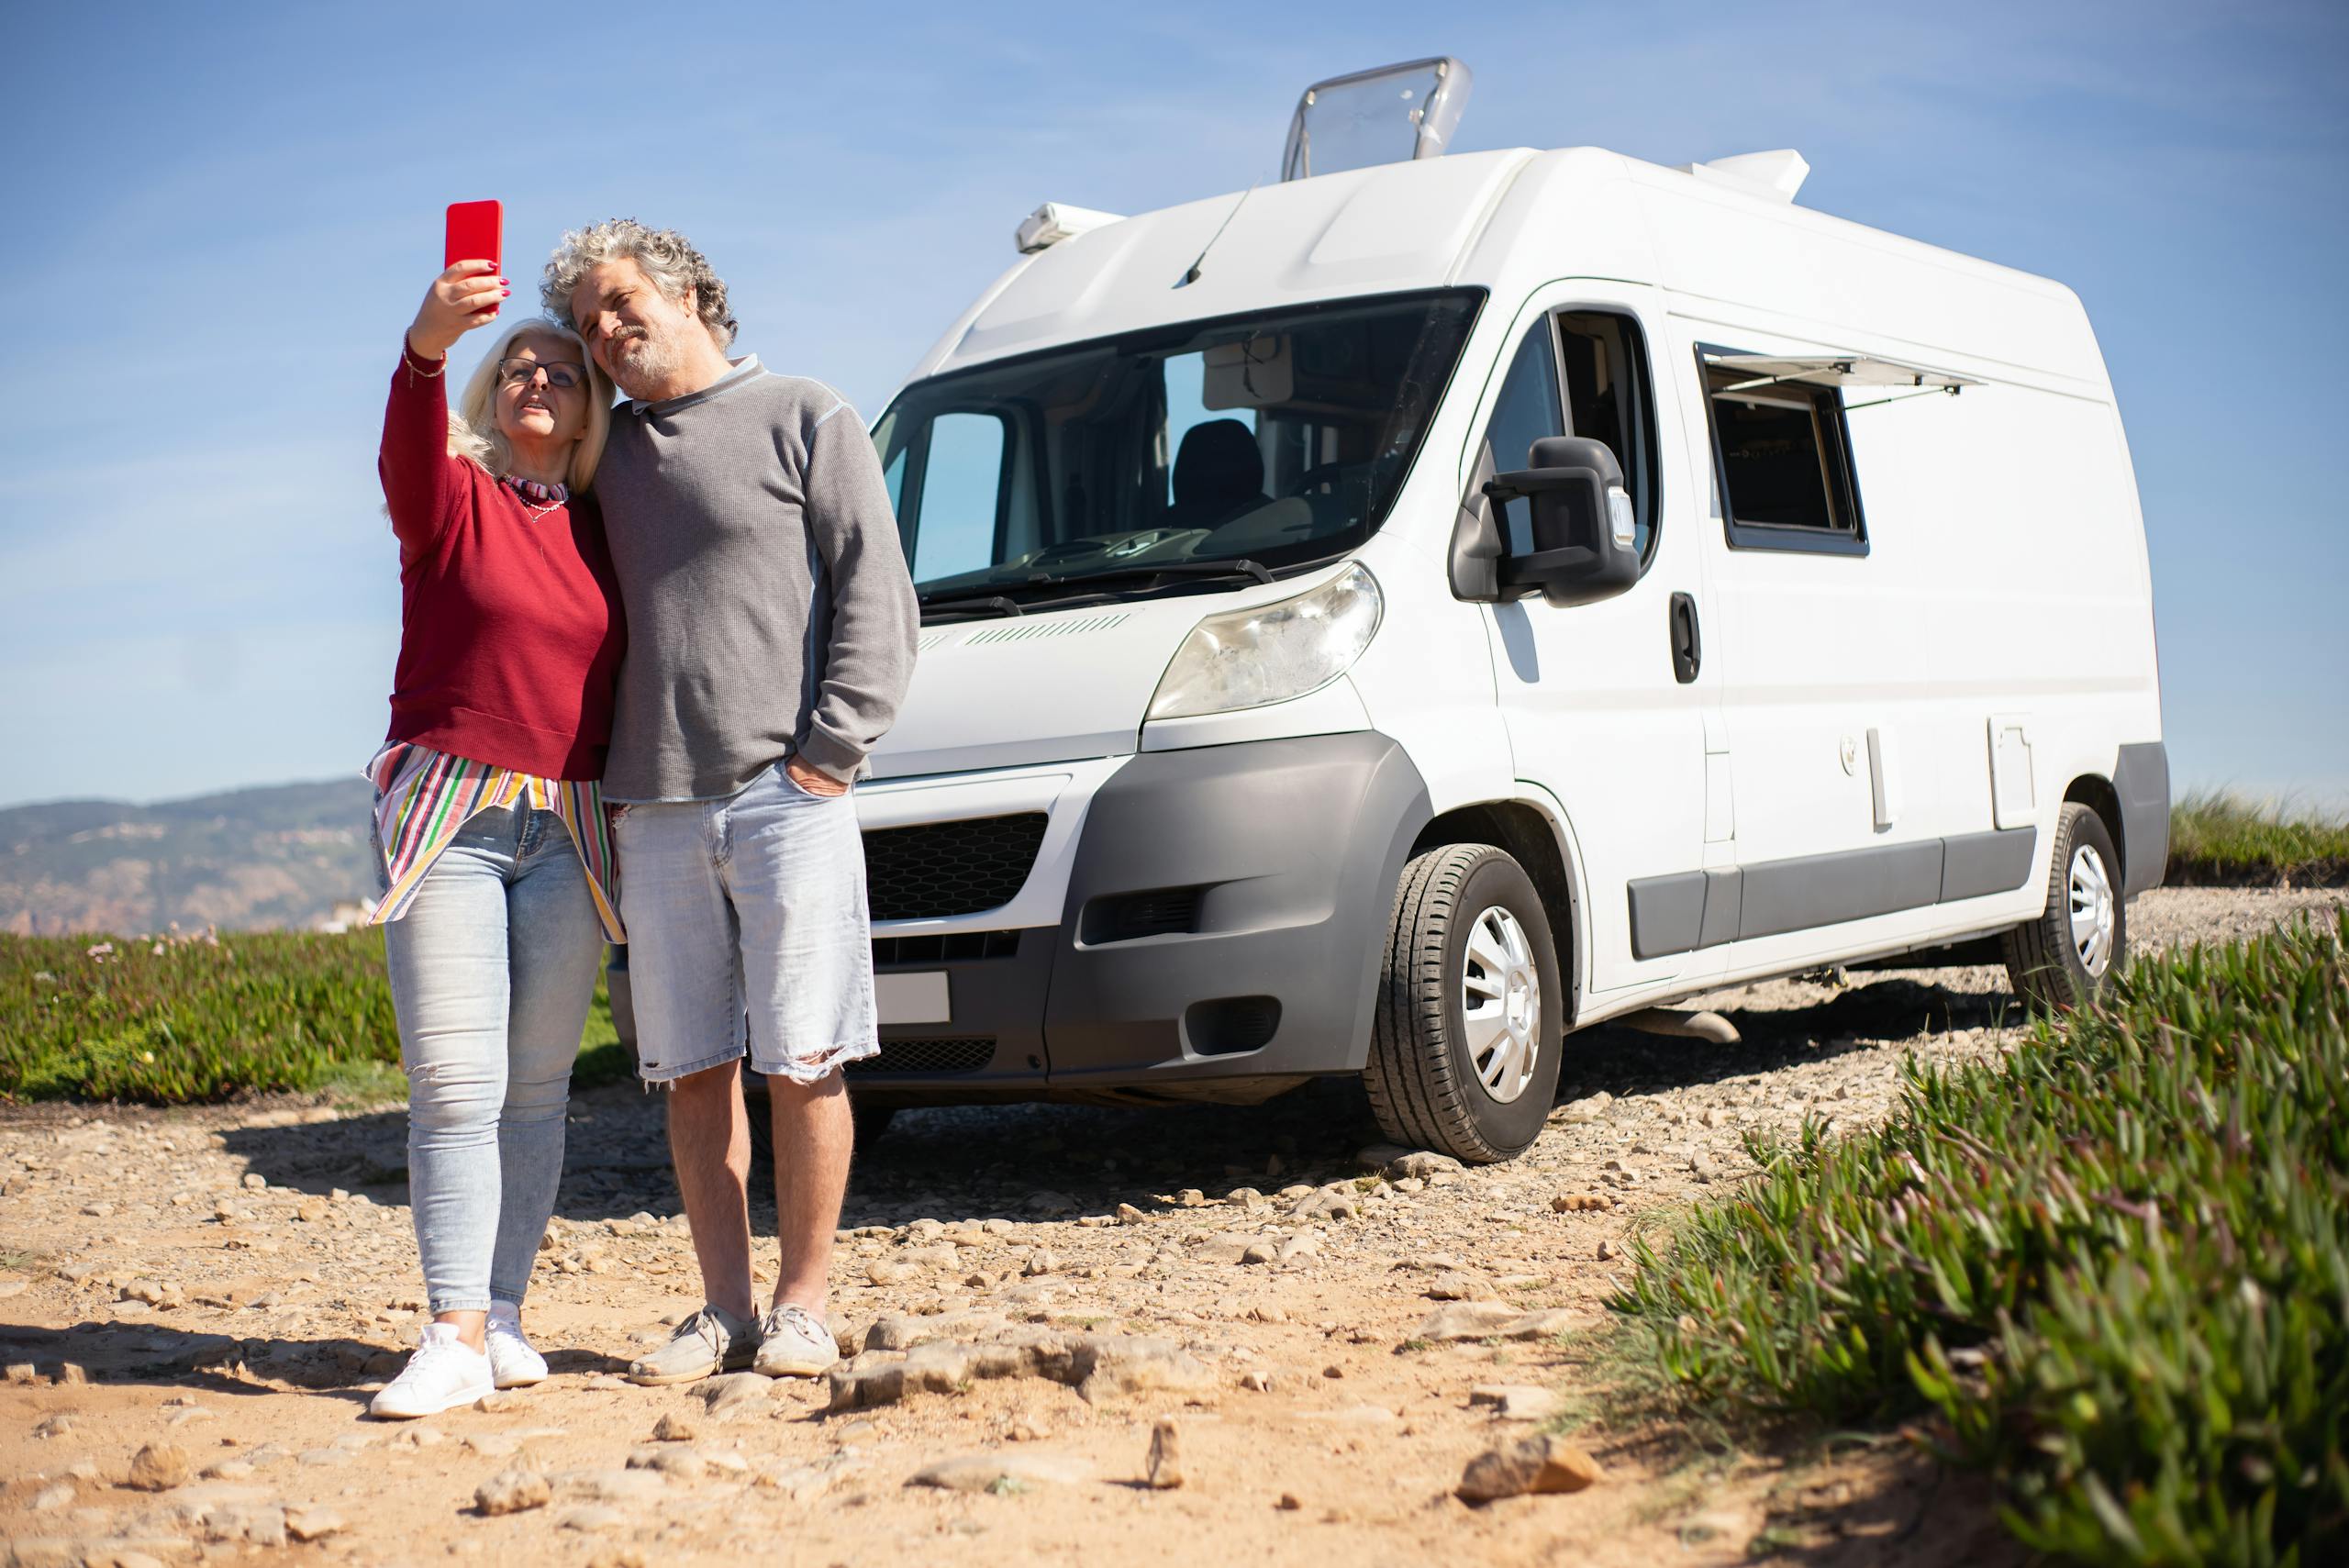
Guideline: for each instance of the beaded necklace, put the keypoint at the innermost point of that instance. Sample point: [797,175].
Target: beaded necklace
[546,496]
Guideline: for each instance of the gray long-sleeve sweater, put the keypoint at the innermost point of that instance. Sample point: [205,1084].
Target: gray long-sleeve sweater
[769,608]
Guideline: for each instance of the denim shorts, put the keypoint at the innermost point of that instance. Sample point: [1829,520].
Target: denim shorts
[747,927]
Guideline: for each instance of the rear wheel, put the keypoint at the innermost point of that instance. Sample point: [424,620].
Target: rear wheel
[1464,1054]
[2066,956]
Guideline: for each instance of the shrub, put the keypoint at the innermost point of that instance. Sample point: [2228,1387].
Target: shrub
[175,1020]
[2225,839]
[2116,1264]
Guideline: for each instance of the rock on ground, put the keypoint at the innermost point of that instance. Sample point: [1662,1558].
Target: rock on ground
[513,1490]
[158,1467]
[1544,1464]
[313,1521]
[1515,1402]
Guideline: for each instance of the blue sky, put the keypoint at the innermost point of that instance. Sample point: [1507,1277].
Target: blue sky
[227,214]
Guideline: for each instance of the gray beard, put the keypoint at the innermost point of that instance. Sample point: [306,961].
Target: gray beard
[639,364]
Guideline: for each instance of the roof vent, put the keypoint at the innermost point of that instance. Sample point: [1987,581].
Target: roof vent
[1778,174]
[1056,221]
[1383,116]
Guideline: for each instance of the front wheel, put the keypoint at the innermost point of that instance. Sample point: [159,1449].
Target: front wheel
[1463,1054]
[2065,957]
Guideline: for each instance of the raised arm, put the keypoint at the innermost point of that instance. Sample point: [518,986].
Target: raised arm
[875,620]
[422,482]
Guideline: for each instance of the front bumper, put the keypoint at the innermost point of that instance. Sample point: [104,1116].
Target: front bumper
[1223,913]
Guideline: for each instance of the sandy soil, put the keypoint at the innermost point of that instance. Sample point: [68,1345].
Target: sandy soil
[231,1283]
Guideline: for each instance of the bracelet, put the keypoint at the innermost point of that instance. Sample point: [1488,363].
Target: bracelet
[411,359]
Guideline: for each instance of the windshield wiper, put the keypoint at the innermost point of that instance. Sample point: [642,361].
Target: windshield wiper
[995,596]
[969,605]
[959,605]
[1237,566]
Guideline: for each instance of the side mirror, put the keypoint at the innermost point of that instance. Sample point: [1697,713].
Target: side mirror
[1584,538]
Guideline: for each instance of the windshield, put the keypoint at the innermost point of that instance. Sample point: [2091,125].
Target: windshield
[1266,441]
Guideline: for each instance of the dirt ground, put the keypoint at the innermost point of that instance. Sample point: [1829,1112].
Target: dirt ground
[227,1285]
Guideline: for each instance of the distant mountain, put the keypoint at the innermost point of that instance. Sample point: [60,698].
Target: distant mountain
[284,856]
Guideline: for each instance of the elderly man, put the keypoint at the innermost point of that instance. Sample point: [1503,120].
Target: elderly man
[771,627]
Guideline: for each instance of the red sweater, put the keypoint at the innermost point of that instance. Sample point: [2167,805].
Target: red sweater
[510,624]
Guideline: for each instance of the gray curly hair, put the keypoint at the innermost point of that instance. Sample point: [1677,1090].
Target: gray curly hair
[667,256]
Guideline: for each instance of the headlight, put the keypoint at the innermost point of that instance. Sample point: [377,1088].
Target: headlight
[1273,653]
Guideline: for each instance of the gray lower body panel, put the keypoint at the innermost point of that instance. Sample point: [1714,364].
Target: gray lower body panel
[2141,778]
[1667,913]
[1826,890]
[1287,853]
[1705,908]
[1973,864]
[1226,919]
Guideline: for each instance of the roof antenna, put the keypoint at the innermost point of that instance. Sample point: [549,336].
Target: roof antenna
[1191,274]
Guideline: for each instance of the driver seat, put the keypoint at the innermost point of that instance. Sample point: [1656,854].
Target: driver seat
[1218,474]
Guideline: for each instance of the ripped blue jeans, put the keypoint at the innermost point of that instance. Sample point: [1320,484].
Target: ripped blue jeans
[491,970]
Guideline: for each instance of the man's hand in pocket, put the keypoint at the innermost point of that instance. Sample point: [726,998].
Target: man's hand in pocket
[815,781]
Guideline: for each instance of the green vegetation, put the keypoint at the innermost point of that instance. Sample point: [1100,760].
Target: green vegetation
[178,1020]
[2115,1267]
[2217,838]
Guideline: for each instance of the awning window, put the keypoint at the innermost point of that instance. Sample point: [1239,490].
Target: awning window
[1758,371]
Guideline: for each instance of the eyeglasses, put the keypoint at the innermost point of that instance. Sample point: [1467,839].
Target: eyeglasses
[560,374]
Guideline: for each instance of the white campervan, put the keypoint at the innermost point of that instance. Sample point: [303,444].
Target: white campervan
[1382,622]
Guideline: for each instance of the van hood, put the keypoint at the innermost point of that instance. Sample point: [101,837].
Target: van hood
[1048,686]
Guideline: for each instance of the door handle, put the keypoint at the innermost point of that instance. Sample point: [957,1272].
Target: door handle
[1687,647]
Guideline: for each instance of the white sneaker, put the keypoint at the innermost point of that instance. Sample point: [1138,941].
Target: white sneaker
[512,1362]
[442,1375]
[795,1343]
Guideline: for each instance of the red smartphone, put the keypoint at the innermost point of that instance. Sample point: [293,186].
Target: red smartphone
[476,233]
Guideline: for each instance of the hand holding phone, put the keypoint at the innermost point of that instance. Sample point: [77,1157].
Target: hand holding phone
[465,297]
[470,288]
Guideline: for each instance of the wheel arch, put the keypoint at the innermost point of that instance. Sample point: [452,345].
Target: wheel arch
[2097,793]
[1539,842]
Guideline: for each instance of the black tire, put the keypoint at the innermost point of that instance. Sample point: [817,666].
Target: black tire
[2044,957]
[872,1121]
[1422,1077]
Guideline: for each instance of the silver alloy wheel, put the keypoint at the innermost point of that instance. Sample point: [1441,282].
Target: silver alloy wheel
[1500,1004]
[2093,910]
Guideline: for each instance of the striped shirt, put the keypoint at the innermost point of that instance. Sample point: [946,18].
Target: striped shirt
[423,797]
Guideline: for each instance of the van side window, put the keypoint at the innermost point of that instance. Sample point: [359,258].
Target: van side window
[1607,397]
[956,503]
[1528,410]
[1783,458]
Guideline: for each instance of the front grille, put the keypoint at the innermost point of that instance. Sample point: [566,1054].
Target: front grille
[947,947]
[970,1053]
[939,869]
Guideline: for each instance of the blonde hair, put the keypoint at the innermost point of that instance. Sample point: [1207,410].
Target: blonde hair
[472,424]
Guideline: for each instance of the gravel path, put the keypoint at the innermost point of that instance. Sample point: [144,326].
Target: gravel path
[222,1287]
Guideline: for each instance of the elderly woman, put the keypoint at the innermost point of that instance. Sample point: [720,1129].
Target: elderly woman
[496,873]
